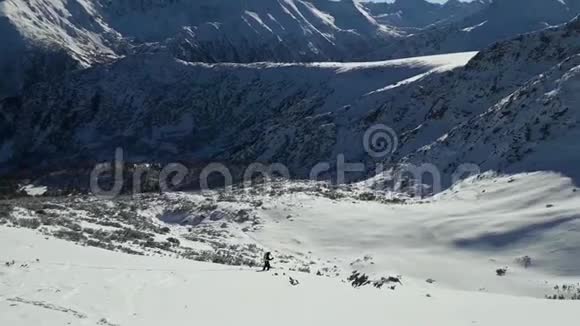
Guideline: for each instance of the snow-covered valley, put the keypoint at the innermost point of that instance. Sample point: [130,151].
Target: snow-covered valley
[444,251]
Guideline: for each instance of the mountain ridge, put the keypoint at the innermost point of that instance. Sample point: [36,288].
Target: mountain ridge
[82,33]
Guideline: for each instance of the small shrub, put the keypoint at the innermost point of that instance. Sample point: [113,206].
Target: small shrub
[367,196]
[304,269]
[174,241]
[242,216]
[70,235]
[31,223]
[127,234]
[565,292]
[357,279]
[109,223]
[293,281]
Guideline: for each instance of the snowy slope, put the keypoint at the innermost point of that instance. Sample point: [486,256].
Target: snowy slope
[42,38]
[81,33]
[479,225]
[425,115]
[250,31]
[501,20]
[230,112]
[296,114]
[529,92]
[421,13]
[457,239]
[531,130]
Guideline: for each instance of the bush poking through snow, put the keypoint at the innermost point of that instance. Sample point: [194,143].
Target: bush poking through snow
[69,235]
[304,269]
[357,279]
[367,196]
[224,257]
[565,292]
[293,281]
[501,271]
[174,241]
[387,280]
[30,223]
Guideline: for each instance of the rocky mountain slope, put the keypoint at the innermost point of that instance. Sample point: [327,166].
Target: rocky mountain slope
[160,108]
[296,114]
[289,113]
[532,129]
[81,33]
[518,83]
[421,13]
[501,20]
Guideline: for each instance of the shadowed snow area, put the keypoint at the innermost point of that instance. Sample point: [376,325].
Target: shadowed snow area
[475,226]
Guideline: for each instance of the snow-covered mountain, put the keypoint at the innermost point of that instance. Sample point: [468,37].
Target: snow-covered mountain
[532,129]
[501,20]
[421,13]
[251,30]
[490,83]
[43,38]
[160,109]
[80,33]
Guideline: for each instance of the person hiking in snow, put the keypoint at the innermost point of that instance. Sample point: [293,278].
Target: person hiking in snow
[267,258]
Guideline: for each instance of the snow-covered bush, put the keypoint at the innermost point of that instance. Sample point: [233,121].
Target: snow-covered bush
[69,235]
[223,257]
[357,279]
[30,223]
[565,292]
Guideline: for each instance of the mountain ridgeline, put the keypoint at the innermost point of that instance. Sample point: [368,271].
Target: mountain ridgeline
[204,81]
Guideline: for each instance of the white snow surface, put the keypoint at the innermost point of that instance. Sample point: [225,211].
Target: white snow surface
[31,190]
[457,238]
